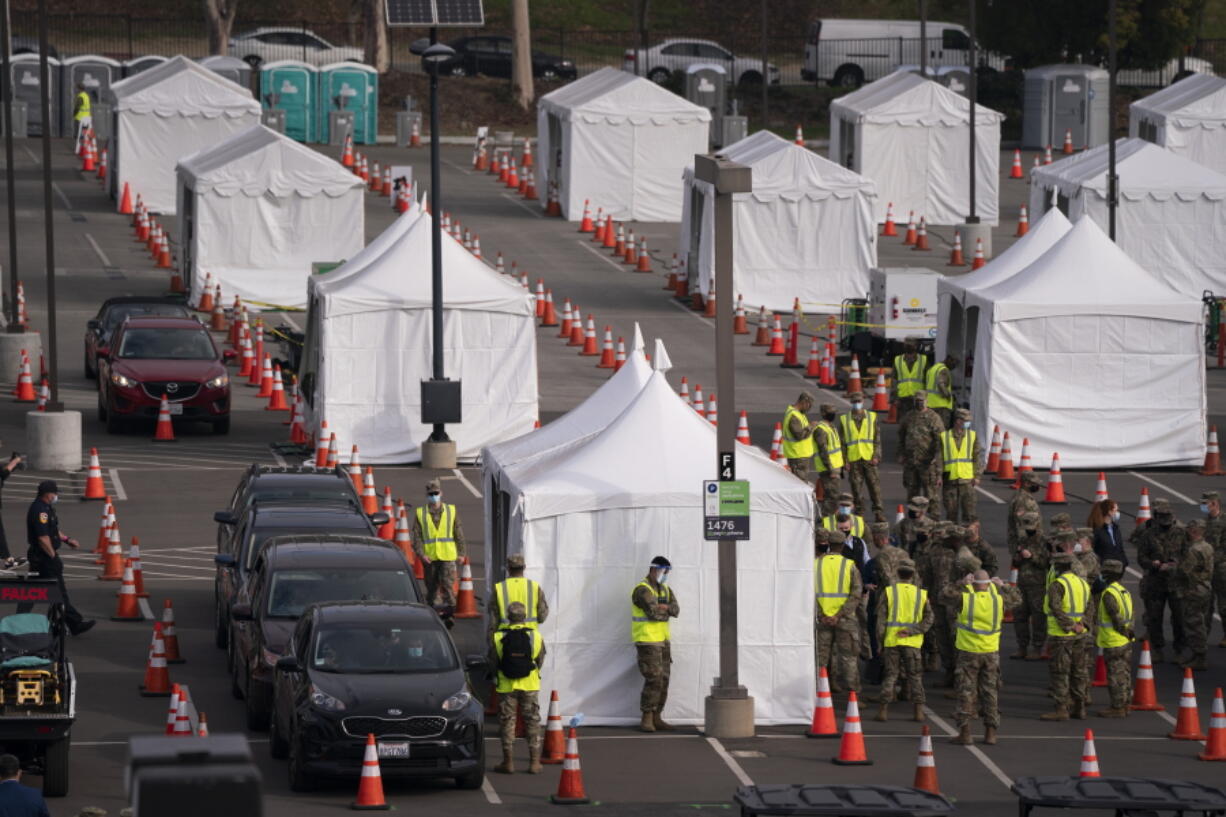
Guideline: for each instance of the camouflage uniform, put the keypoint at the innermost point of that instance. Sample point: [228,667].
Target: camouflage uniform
[899,661]
[521,703]
[1023,502]
[906,530]
[1215,535]
[1088,560]
[1117,659]
[831,479]
[982,551]
[838,643]
[936,569]
[655,660]
[1069,684]
[977,677]
[798,431]
[1192,584]
[862,474]
[959,494]
[919,452]
[907,405]
[1029,621]
[441,576]
[1164,546]
[887,560]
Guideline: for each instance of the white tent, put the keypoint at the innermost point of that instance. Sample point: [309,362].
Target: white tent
[806,231]
[1187,117]
[257,209]
[1087,354]
[589,519]
[1171,217]
[368,347]
[621,142]
[169,111]
[910,135]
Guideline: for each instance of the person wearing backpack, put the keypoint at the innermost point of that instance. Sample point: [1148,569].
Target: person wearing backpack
[519,654]
[652,604]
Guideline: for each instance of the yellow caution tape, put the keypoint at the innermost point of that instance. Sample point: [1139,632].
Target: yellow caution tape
[281,307]
[270,331]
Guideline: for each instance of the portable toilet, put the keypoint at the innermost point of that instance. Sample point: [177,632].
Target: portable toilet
[134,66]
[1061,98]
[290,85]
[232,68]
[96,74]
[25,87]
[350,86]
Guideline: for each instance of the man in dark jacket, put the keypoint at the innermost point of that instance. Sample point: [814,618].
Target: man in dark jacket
[17,800]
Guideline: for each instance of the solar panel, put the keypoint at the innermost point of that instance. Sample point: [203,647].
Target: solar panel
[435,13]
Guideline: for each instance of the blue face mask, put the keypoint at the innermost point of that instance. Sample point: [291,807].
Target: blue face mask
[845,509]
[434,498]
[416,652]
[966,424]
[663,571]
[857,406]
[1204,508]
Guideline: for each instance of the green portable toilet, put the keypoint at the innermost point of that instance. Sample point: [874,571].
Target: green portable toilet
[291,86]
[358,86]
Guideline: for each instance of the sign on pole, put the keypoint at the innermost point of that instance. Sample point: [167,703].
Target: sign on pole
[725,509]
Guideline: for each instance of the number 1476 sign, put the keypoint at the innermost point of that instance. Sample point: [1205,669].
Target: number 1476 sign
[725,509]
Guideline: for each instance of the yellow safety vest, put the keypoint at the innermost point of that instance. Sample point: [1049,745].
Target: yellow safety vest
[834,447]
[439,541]
[1076,594]
[516,589]
[904,605]
[1107,635]
[794,449]
[857,524]
[935,399]
[909,378]
[832,582]
[959,460]
[979,620]
[861,440]
[83,111]
[530,682]
[642,629]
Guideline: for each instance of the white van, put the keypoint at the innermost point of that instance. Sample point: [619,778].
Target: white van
[848,53]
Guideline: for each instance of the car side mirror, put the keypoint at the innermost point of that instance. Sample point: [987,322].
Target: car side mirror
[224,560]
[93,325]
[476,663]
[241,612]
[229,354]
[224,517]
[288,663]
[103,352]
[379,518]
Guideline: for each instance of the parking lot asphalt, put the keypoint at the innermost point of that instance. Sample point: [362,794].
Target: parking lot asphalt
[166,494]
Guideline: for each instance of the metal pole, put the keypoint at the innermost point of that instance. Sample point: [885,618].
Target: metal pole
[10,184]
[725,434]
[439,434]
[974,92]
[1113,181]
[923,15]
[765,86]
[44,87]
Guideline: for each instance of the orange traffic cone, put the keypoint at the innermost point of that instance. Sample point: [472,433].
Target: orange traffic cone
[1144,694]
[620,360]
[630,253]
[1047,155]
[104,527]
[824,725]
[926,765]
[550,318]
[851,748]
[217,321]
[740,324]
[854,384]
[1187,725]
[712,414]
[900,513]
[173,709]
[165,432]
[347,154]
[685,390]
[993,463]
[889,228]
[164,262]
[813,369]
[1025,465]
[956,259]
[125,201]
[169,636]
[127,608]
[321,445]
[576,327]
[553,750]
[1213,456]
[644,260]
[1089,757]
[25,381]
[589,339]
[1100,488]
[112,559]
[921,238]
[401,536]
[1006,473]
[1143,512]
[370,498]
[567,320]
[466,600]
[611,235]
[387,531]
[881,398]
[1215,747]
[512,176]
[585,225]
[699,404]
[183,723]
[776,452]
[94,487]
[206,295]
[791,354]
[607,355]
[570,786]
[355,470]
[265,391]
[1100,670]
[157,676]
[1055,483]
[763,336]
[370,789]
[202,730]
[909,237]
[1023,222]
[1015,172]
[138,574]
[800,136]
[742,429]
[276,400]
[978,261]
[708,306]
[777,349]
[1068,145]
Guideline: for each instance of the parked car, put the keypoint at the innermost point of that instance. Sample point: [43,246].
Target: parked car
[275,483]
[491,56]
[291,574]
[288,43]
[261,523]
[151,357]
[389,669]
[658,62]
[98,330]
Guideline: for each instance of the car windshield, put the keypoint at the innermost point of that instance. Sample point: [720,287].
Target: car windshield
[116,314]
[353,648]
[292,591]
[167,344]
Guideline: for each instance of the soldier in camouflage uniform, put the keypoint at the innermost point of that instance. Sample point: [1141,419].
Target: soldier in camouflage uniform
[908,528]
[1215,535]
[861,435]
[1029,554]
[959,479]
[895,624]
[830,459]
[837,630]
[1115,625]
[1023,502]
[1160,544]
[1193,584]
[982,550]
[518,696]
[935,571]
[653,603]
[1069,682]
[1083,552]
[919,452]
[887,557]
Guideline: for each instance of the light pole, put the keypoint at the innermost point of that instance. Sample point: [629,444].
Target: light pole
[7,82]
[1113,180]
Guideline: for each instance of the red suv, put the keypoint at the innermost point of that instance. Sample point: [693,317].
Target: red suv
[149,357]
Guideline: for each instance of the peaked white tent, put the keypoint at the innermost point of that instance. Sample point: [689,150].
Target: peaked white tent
[1187,117]
[806,231]
[1171,217]
[257,209]
[910,136]
[589,519]
[619,141]
[368,347]
[1088,355]
[169,111]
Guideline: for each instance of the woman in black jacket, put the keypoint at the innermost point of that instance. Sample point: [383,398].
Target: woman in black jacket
[1108,542]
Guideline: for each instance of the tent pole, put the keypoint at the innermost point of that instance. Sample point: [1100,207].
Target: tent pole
[1113,180]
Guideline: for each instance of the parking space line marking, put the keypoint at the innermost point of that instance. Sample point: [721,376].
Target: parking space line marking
[63,198]
[120,493]
[974,750]
[588,246]
[696,316]
[1166,488]
[280,460]
[30,153]
[990,495]
[144,604]
[106,262]
[487,788]
[519,203]
[472,489]
[728,759]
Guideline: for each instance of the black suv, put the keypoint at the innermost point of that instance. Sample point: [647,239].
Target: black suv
[360,668]
[274,483]
[291,574]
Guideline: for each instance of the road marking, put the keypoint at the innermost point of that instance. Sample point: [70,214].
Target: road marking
[1166,488]
[145,610]
[453,166]
[286,317]
[487,789]
[280,460]
[472,489]
[696,316]
[120,493]
[974,750]
[30,153]
[106,262]
[836,398]
[728,759]
[63,198]
[533,210]
[990,495]
[587,246]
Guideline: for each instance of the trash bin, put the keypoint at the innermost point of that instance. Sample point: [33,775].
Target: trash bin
[405,121]
[290,85]
[232,68]
[25,87]
[273,118]
[1062,98]
[96,74]
[134,66]
[20,130]
[340,125]
[350,86]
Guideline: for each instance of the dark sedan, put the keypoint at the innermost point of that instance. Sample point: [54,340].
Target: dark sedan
[111,314]
[491,56]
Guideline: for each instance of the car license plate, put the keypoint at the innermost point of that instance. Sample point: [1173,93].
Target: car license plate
[175,408]
[394,750]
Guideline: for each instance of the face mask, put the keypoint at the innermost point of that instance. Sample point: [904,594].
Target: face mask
[1165,522]
[1115,516]
[857,406]
[1034,489]
[966,424]
[434,498]
[1077,547]
[663,577]
[921,537]
[1031,531]
[55,498]
[1204,508]
[913,514]
[416,652]
[845,509]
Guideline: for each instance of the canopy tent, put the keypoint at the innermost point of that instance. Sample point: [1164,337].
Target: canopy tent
[909,135]
[620,142]
[1083,351]
[588,520]
[257,209]
[806,231]
[1187,118]
[368,347]
[164,113]
[1171,217]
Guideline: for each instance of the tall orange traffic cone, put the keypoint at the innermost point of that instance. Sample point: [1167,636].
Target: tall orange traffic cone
[740,323]
[1144,693]
[791,354]
[165,432]
[1100,669]
[265,391]
[1187,725]
[553,750]
[321,445]
[854,384]
[387,531]
[742,429]
[1023,222]
[466,600]
[698,403]
[585,225]
[813,369]
[157,676]
[643,263]
[589,339]
[956,259]
[112,559]
[127,608]
[776,452]
[567,320]
[169,636]
[712,414]
[1143,512]
[708,306]
[851,748]
[206,295]
[1055,483]
[355,469]
[125,201]
[138,573]
[1006,473]
[173,709]
[1213,456]
[1015,171]
[926,765]
[370,498]
[777,349]
[402,537]
[1089,757]
[1068,142]
[763,336]
[1024,465]
[1215,747]
[978,261]
[347,153]
[1100,488]
[25,382]
[823,725]
[570,786]
[104,527]
[620,360]
[993,464]
[921,238]
[550,316]
[910,236]
[202,729]
[889,228]
[276,400]
[183,722]
[611,232]
[881,398]
[94,487]
[607,355]
[370,788]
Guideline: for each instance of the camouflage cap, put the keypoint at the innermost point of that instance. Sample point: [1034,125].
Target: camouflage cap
[1084,533]
[966,561]
[906,562]
[1113,567]
[1062,519]
[837,537]
[962,414]
[828,408]
[920,394]
[821,536]
[1162,506]
[855,395]
[1209,496]
[880,527]
[1031,518]
[515,561]
[1066,537]
[804,395]
[919,503]
[1031,478]
[1195,523]
[845,497]
[434,485]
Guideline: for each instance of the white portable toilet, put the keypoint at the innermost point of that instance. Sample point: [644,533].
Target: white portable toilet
[1065,98]
[232,68]
[134,66]
[96,74]
[26,82]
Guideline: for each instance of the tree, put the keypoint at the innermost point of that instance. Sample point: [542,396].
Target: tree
[378,55]
[219,16]
[521,54]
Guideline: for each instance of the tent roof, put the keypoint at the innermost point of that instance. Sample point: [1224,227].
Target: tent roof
[611,95]
[1195,99]
[393,272]
[259,160]
[784,169]
[1086,273]
[1022,253]
[180,87]
[906,98]
[656,454]
[1145,171]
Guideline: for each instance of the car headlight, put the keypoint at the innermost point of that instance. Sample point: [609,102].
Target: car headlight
[218,382]
[325,701]
[120,380]
[566,64]
[270,657]
[457,702]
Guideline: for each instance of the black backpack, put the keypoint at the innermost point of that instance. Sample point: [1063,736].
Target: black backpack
[516,660]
